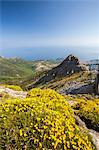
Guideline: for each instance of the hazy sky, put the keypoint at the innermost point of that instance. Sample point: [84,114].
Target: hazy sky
[49,29]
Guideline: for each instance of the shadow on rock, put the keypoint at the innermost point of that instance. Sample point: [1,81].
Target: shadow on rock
[84,89]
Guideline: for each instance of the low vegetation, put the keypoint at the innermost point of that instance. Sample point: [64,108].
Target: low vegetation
[88,111]
[13,87]
[43,120]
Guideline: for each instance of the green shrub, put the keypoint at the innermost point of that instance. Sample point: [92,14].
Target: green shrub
[42,121]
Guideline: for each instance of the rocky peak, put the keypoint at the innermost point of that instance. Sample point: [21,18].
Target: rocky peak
[71,59]
[69,66]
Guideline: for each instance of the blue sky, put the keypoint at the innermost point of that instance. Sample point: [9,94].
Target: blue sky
[49,29]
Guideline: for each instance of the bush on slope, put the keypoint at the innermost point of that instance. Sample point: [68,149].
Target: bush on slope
[43,120]
[88,110]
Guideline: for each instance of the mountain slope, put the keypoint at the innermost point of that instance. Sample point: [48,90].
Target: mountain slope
[15,69]
[69,66]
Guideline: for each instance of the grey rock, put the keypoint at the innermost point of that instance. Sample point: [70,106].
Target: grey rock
[69,66]
[13,93]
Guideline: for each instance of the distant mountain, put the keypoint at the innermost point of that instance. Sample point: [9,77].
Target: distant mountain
[1,56]
[93,64]
[59,59]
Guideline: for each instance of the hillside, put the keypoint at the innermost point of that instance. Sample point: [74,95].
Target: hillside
[67,67]
[45,119]
[42,120]
[16,70]
[69,77]
[62,113]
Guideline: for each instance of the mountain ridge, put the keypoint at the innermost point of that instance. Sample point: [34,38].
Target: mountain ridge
[68,66]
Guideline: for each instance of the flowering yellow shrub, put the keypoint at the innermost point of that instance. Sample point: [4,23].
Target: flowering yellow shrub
[13,87]
[88,110]
[42,121]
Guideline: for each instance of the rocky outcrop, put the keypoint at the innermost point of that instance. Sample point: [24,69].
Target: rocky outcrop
[69,66]
[75,87]
[94,134]
[97,83]
[82,89]
[12,93]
